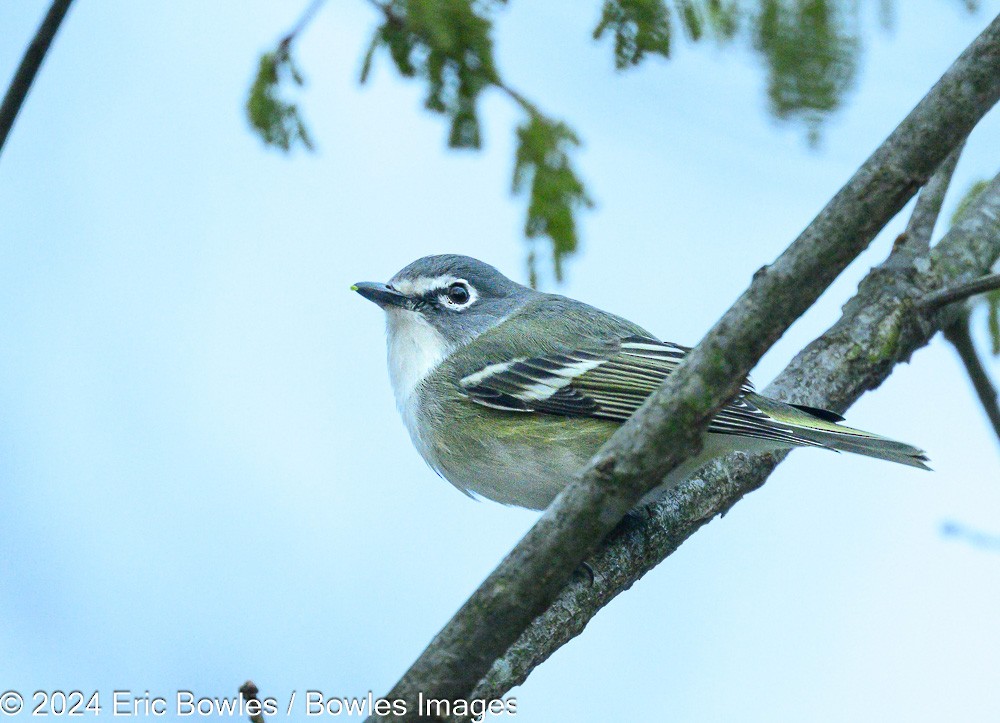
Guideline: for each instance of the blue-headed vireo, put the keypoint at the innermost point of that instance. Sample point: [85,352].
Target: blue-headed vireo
[508,392]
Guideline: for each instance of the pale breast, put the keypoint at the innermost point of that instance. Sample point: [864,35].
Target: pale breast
[415,348]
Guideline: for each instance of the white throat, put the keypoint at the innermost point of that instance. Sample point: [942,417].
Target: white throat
[415,349]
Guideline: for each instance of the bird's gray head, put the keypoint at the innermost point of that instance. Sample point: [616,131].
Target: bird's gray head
[458,296]
[435,305]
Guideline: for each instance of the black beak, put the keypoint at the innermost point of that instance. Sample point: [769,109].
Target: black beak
[381,294]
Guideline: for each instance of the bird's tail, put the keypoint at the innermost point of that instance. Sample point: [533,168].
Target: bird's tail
[847,439]
[822,427]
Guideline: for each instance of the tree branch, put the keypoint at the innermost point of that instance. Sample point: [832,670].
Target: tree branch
[918,234]
[960,292]
[249,690]
[920,227]
[304,20]
[28,69]
[877,330]
[668,428]
[974,537]
[957,332]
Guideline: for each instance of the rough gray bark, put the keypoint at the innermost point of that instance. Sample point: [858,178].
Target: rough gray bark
[669,426]
[882,325]
[28,69]
[920,227]
[961,292]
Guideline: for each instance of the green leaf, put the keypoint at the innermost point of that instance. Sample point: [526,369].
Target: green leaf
[276,121]
[401,45]
[690,18]
[366,64]
[556,192]
[971,195]
[449,44]
[723,19]
[640,27]
[811,48]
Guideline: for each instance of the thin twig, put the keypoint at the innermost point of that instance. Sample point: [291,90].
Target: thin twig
[249,690]
[28,69]
[304,20]
[920,227]
[960,292]
[669,427]
[916,239]
[957,332]
[977,538]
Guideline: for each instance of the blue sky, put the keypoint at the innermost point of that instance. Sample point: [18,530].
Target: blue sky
[203,475]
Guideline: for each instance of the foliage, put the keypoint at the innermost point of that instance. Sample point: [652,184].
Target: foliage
[556,192]
[970,196]
[723,18]
[645,26]
[448,43]
[640,27]
[809,49]
[277,121]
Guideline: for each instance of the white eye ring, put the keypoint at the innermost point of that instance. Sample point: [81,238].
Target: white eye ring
[459,295]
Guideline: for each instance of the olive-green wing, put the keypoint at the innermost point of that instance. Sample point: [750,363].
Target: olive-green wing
[611,383]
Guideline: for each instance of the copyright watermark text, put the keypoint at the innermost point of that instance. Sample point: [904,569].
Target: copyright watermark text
[186,704]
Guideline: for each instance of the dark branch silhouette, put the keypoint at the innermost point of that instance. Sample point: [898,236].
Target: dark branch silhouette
[957,332]
[28,69]
[961,292]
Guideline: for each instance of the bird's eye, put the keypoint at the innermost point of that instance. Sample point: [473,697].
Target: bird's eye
[458,293]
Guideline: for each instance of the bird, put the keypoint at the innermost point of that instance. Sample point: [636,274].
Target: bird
[508,392]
